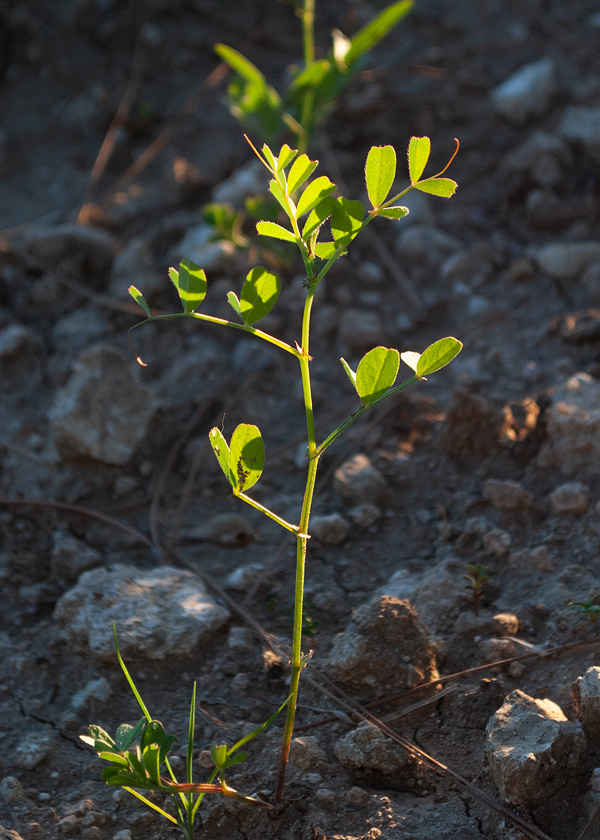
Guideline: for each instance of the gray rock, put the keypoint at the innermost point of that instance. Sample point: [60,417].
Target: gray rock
[102,413]
[13,794]
[159,613]
[194,374]
[532,748]
[249,180]
[365,514]
[135,266]
[306,752]
[542,156]
[507,495]
[471,265]
[91,248]
[497,542]
[358,481]
[93,690]
[35,748]
[586,699]
[580,125]
[360,329]
[426,245]
[573,497]
[70,556]
[20,355]
[573,428]
[527,92]
[385,648]
[366,747]
[329,529]
[566,260]
[230,529]
[199,246]
[242,578]
[79,329]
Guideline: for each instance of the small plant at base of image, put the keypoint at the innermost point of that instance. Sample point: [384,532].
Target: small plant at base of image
[476,583]
[304,216]
[589,611]
[137,754]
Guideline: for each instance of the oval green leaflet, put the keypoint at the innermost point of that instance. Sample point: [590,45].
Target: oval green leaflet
[376,372]
[242,461]
[434,358]
[190,282]
[380,171]
[259,294]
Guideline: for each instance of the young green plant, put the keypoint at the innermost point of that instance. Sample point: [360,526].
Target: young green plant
[589,611]
[306,205]
[477,580]
[137,755]
[314,87]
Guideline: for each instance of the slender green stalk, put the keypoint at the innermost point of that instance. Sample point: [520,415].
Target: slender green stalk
[257,505]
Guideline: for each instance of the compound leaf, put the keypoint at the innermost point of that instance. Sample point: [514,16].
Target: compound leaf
[419,149]
[275,231]
[286,155]
[444,187]
[317,190]
[259,294]
[302,168]
[376,373]
[190,282]
[317,216]
[127,734]
[438,355]
[246,456]
[380,171]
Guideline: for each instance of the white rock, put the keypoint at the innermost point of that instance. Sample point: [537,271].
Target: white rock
[102,413]
[35,748]
[438,595]
[580,125]
[586,699]
[573,428]
[242,578]
[527,92]
[93,248]
[566,260]
[93,690]
[329,529]
[572,497]
[367,747]
[198,246]
[507,495]
[424,244]
[357,480]
[159,613]
[249,180]
[531,748]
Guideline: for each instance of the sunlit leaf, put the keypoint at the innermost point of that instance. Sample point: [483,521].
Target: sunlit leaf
[234,302]
[317,216]
[350,373]
[397,212]
[246,456]
[139,299]
[418,155]
[410,358]
[301,170]
[275,231]
[190,282]
[438,355]
[259,294]
[444,187]
[346,220]
[376,373]
[270,157]
[221,450]
[326,250]
[316,191]
[127,734]
[380,171]
[153,734]
[279,195]
[239,63]
[115,758]
[218,754]
[286,155]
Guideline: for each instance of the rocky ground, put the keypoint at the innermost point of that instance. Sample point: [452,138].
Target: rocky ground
[113,508]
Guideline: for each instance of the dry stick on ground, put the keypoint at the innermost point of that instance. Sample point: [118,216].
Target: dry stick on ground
[370,235]
[94,514]
[25,454]
[352,706]
[120,117]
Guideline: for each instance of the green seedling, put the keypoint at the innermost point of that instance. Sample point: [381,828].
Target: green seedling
[589,611]
[314,87]
[138,760]
[308,207]
[477,581]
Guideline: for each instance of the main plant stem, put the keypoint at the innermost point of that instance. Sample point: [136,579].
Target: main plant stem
[301,546]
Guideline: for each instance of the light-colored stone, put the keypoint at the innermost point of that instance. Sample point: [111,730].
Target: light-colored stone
[329,529]
[586,699]
[532,748]
[566,260]
[527,92]
[580,125]
[245,182]
[99,690]
[497,542]
[358,481]
[35,748]
[9,834]
[306,752]
[159,613]
[360,330]
[384,649]
[505,624]
[507,495]
[573,428]
[199,246]
[242,578]
[102,413]
[92,248]
[367,747]
[79,329]
[426,245]
[572,497]
[365,514]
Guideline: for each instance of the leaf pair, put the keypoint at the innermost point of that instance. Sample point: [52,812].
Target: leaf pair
[190,282]
[258,296]
[380,172]
[418,154]
[243,459]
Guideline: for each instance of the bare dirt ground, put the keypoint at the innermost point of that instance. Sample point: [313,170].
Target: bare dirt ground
[477,267]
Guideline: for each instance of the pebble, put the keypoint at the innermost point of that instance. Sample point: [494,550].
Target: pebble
[135,266]
[242,578]
[245,182]
[124,834]
[367,747]
[580,125]
[586,699]
[516,669]
[34,748]
[542,156]
[306,752]
[505,624]
[78,329]
[357,481]
[426,245]
[199,246]
[102,413]
[159,613]
[572,497]
[507,495]
[370,273]
[357,796]
[566,260]
[70,557]
[526,93]
[329,529]
[497,542]
[92,248]
[99,690]
[365,514]
[360,330]
[573,428]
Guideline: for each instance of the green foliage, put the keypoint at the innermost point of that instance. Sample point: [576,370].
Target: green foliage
[589,611]
[477,579]
[380,171]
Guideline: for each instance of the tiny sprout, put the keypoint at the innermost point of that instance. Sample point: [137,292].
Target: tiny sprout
[477,580]
[589,611]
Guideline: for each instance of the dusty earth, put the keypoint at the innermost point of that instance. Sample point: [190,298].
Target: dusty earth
[500,413]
